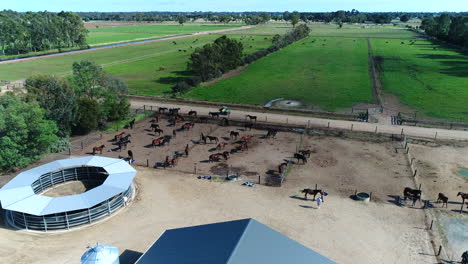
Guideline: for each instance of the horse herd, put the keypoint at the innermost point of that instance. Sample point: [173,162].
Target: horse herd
[415,195]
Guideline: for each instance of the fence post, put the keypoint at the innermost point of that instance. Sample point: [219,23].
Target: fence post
[415,171]
[258,179]
[376,129]
[81,145]
[144,107]
[194,168]
[328,125]
[401,132]
[440,250]
[370,196]
[69,152]
[432,221]
[147,163]
[352,127]
[435,137]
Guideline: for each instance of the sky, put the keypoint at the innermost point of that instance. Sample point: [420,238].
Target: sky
[236,5]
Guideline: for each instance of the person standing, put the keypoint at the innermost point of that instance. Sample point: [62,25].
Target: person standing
[319,202]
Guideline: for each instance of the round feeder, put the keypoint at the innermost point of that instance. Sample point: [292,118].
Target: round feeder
[363,197]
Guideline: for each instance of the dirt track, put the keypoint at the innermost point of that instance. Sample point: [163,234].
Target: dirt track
[412,131]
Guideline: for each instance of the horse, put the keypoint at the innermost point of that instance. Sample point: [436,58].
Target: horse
[248,125]
[162,109]
[100,148]
[192,113]
[159,131]
[244,146]
[157,141]
[154,127]
[187,126]
[132,123]
[156,118]
[271,133]
[226,155]
[214,114]
[126,138]
[203,138]
[305,152]
[123,144]
[312,192]
[215,157]
[463,196]
[174,161]
[215,139]
[301,157]
[246,138]
[174,111]
[234,134]
[281,166]
[221,145]
[186,150]
[444,199]
[251,117]
[119,136]
[408,192]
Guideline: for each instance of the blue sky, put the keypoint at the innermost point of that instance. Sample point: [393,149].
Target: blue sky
[236,5]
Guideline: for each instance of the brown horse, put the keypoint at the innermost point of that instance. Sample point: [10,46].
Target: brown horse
[221,145]
[271,133]
[463,196]
[234,134]
[154,127]
[306,152]
[444,199]
[246,138]
[210,138]
[159,131]
[413,194]
[282,166]
[244,146]
[203,138]
[119,136]
[192,113]
[214,114]
[312,192]
[215,157]
[157,141]
[100,148]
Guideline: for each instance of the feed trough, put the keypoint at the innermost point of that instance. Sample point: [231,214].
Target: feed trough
[363,197]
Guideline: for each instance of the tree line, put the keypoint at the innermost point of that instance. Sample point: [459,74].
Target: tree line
[225,54]
[453,29]
[39,31]
[52,109]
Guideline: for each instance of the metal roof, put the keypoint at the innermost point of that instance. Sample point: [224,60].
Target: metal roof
[18,195]
[235,242]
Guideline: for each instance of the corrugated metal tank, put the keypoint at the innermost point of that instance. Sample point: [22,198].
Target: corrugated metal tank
[101,254]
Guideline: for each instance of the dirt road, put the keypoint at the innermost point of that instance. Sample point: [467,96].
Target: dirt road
[412,131]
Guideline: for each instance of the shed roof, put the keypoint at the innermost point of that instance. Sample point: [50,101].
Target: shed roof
[18,195]
[234,242]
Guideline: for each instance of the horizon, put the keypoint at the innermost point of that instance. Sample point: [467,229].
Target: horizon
[367,6]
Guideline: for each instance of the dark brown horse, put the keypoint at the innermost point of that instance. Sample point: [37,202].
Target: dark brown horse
[234,134]
[246,138]
[214,114]
[251,117]
[413,194]
[271,133]
[282,166]
[159,131]
[444,199]
[463,196]
[192,113]
[154,126]
[157,141]
[119,136]
[312,192]
[203,138]
[306,152]
[221,145]
[215,157]
[301,157]
[210,138]
[162,109]
[100,148]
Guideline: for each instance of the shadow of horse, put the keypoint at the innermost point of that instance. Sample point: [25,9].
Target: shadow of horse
[306,206]
[395,200]
[272,172]
[204,161]
[212,149]
[298,198]
[226,138]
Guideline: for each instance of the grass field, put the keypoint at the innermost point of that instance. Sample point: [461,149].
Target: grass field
[332,30]
[330,73]
[105,57]
[127,33]
[432,81]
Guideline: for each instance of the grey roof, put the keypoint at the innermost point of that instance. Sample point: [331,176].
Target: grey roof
[18,195]
[235,242]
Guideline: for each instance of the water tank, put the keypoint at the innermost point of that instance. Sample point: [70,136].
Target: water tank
[101,254]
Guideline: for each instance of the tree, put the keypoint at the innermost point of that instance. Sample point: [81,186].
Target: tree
[265,17]
[88,116]
[295,18]
[87,77]
[404,18]
[182,19]
[56,97]
[24,133]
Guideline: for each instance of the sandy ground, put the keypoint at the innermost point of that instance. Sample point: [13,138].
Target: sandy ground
[344,230]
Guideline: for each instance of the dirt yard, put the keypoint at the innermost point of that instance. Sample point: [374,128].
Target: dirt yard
[343,230]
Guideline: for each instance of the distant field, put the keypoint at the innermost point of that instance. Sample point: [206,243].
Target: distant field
[144,77]
[433,81]
[332,30]
[331,73]
[132,32]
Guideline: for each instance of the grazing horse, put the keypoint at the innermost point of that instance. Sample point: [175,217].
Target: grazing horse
[154,127]
[132,123]
[119,136]
[413,194]
[301,157]
[100,148]
[192,113]
[174,161]
[187,126]
[226,155]
[251,117]
[444,199]
[157,141]
[234,134]
[162,109]
[174,111]
[271,133]
[312,192]
[248,125]
[244,146]
[203,138]
[463,196]
[282,166]
[210,138]
[221,145]
[306,152]
[214,114]
[159,131]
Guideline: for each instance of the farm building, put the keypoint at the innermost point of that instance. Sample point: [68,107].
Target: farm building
[234,242]
[108,181]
